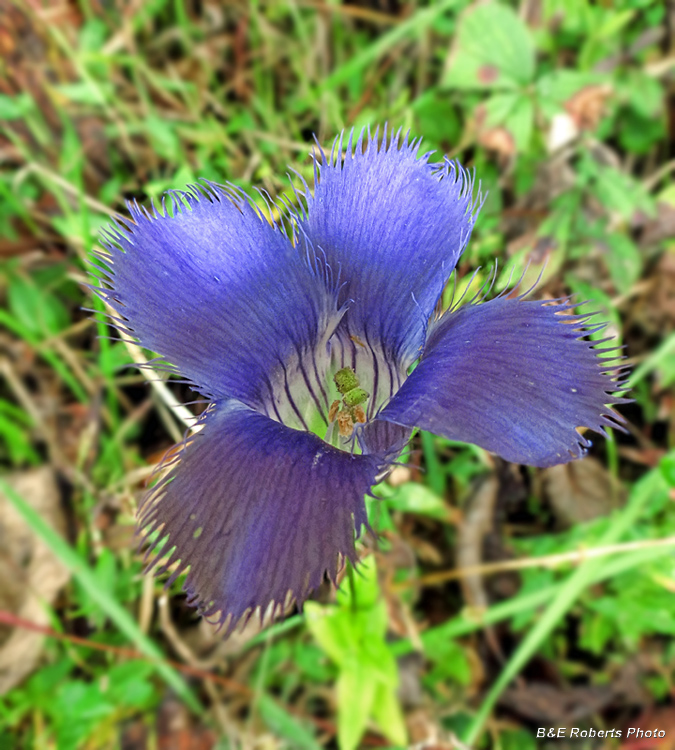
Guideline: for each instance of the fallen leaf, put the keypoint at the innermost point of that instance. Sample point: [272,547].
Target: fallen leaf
[587,106]
[580,491]
[30,574]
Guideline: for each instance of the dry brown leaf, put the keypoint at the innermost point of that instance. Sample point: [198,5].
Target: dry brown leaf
[587,106]
[498,139]
[580,491]
[477,523]
[539,701]
[176,729]
[663,719]
[30,574]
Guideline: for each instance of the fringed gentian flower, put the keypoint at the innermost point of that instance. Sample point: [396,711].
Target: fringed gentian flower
[303,333]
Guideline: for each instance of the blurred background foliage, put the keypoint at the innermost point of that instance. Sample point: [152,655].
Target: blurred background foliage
[500,599]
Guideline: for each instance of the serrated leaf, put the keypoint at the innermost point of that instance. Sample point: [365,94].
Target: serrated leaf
[624,261]
[620,192]
[561,85]
[494,50]
[499,106]
[519,122]
[437,117]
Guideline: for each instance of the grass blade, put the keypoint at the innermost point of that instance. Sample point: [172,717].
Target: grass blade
[413,25]
[565,598]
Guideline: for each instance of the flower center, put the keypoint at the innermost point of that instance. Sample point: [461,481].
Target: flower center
[348,411]
[342,383]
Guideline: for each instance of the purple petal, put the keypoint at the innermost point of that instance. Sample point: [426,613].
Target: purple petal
[384,438]
[393,227]
[511,376]
[218,291]
[258,510]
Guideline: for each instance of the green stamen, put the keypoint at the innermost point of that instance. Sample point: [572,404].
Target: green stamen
[349,411]
[355,396]
[345,380]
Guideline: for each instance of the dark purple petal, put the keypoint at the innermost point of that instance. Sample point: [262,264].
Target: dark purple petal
[258,510]
[392,226]
[511,376]
[383,438]
[218,291]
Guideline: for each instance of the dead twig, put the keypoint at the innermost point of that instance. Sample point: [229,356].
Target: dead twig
[545,561]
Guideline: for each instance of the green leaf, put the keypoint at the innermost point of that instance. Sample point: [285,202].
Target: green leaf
[595,632]
[163,137]
[284,725]
[79,225]
[640,134]
[667,468]
[377,657]
[597,300]
[560,85]
[312,663]
[326,628]
[519,122]
[645,94]
[531,267]
[114,358]
[356,687]
[437,118]
[83,92]
[14,437]
[624,261]
[36,309]
[366,589]
[517,739]
[499,106]
[619,192]
[413,497]
[449,659]
[614,22]
[129,684]
[494,50]
[15,107]
[387,714]
[93,34]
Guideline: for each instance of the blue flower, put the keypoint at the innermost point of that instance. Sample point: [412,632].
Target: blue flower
[303,332]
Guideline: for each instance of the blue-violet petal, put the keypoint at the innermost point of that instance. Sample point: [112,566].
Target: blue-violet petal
[513,376]
[217,290]
[392,227]
[259,511]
